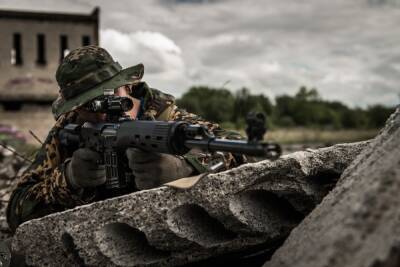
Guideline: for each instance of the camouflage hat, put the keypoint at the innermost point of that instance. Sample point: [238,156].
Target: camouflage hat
[85,73]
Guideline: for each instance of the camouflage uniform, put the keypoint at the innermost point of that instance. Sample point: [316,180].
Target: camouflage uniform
[43,188]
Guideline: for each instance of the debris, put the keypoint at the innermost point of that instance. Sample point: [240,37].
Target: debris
[11,166]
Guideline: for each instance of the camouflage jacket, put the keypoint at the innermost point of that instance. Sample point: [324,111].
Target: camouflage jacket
[43,189]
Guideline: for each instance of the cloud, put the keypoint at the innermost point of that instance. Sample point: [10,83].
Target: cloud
[347,49]
[161,56]
[70,6]
[384,2]
[187,1]
[156,51]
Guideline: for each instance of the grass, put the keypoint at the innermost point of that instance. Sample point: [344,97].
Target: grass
[306,136]
[318,136]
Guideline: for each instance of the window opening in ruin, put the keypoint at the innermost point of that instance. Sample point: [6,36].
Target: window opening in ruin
[16,51]
[41,49]
[85,40]
[63,46]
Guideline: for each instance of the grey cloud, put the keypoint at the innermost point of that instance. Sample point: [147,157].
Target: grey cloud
[232,53]
[387,71]
[187,1]
[388,68]
[347,49]
[384,2]
[73,6]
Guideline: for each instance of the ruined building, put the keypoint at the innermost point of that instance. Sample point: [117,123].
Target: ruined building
[33,44]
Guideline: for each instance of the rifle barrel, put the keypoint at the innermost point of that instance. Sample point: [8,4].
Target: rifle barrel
[233,146]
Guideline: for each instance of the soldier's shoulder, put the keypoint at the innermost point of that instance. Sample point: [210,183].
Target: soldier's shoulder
[155,102]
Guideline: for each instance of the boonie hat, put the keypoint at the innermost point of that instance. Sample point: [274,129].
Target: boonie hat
[86,73]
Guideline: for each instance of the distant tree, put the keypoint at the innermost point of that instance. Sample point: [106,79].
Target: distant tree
[211,103]
[285,108]
[245,102]
[377,115]
[305,109]
[307,95]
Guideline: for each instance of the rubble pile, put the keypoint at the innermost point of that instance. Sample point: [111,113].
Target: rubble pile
[10,167]
[252,205]
[358,223]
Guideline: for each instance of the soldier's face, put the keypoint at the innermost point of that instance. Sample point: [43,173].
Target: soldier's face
[125,92]
[87,116]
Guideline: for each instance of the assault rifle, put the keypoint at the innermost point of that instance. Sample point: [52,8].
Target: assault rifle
[119,132]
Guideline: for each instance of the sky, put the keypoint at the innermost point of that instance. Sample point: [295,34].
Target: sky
[348,50]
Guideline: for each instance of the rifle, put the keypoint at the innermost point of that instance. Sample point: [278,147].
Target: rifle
[120,132]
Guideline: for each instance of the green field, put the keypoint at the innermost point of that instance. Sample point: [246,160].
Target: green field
[318,136]
[307,136]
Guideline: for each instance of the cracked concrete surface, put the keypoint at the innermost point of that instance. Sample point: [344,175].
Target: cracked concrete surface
[253,204]
[358,222]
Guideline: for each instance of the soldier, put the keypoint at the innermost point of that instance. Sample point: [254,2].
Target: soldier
[60,178]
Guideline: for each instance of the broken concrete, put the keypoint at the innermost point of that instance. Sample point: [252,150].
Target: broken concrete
[254,204]
[358,223]
[10,167]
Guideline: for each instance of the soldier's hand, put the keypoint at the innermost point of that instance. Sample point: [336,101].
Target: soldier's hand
[83,170]
[154,169]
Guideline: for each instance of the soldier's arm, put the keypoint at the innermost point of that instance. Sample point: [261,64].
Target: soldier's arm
[42,189]
[161,106]
[203,161]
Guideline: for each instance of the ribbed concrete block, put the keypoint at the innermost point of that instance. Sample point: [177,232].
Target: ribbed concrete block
[254,204]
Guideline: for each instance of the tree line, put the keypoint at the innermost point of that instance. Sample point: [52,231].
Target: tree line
[305,109]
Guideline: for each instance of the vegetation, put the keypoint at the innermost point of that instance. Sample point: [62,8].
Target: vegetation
[306,109]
